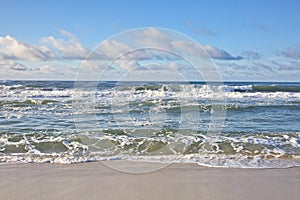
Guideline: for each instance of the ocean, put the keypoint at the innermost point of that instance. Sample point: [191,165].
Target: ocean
[250,125]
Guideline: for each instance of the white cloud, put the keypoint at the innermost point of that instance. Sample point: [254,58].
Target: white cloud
[12,65]
[12,49]
[152,37]
[11,70]
[68,34]
[267,69]
[46,69]
[127,64]
[251,55]
[18,66]
[111,49]
[189,48]
[71,49]
[213,52]
[292,52]
[68,49]
[219,53]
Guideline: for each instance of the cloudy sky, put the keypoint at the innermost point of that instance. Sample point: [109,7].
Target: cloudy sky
[248,40]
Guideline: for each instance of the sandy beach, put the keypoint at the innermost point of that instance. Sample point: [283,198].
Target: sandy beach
[176,181]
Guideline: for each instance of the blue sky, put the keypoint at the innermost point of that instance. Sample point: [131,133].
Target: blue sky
[48,39]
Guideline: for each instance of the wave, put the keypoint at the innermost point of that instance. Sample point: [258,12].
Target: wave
[37,123]
[235,149]
[275,88]
[56,88]
[262,88]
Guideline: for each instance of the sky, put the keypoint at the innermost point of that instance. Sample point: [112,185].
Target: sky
[248,40]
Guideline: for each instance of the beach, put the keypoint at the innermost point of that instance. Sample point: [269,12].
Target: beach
[176,181]
[150,100]
[54,144]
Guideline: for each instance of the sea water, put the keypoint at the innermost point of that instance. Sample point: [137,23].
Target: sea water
[258,123]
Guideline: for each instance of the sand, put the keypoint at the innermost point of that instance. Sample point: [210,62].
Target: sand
[176,181]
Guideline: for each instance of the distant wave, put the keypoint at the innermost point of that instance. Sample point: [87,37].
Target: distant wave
[275,88]
[263,88]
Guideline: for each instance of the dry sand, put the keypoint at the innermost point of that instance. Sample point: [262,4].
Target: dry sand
[177,181]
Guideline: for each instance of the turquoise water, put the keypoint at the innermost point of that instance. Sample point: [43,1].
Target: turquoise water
[246,125]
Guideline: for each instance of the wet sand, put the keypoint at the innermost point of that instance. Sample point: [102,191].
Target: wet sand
[176,181]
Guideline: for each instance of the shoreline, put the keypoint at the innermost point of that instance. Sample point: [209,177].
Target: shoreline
[176,181]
